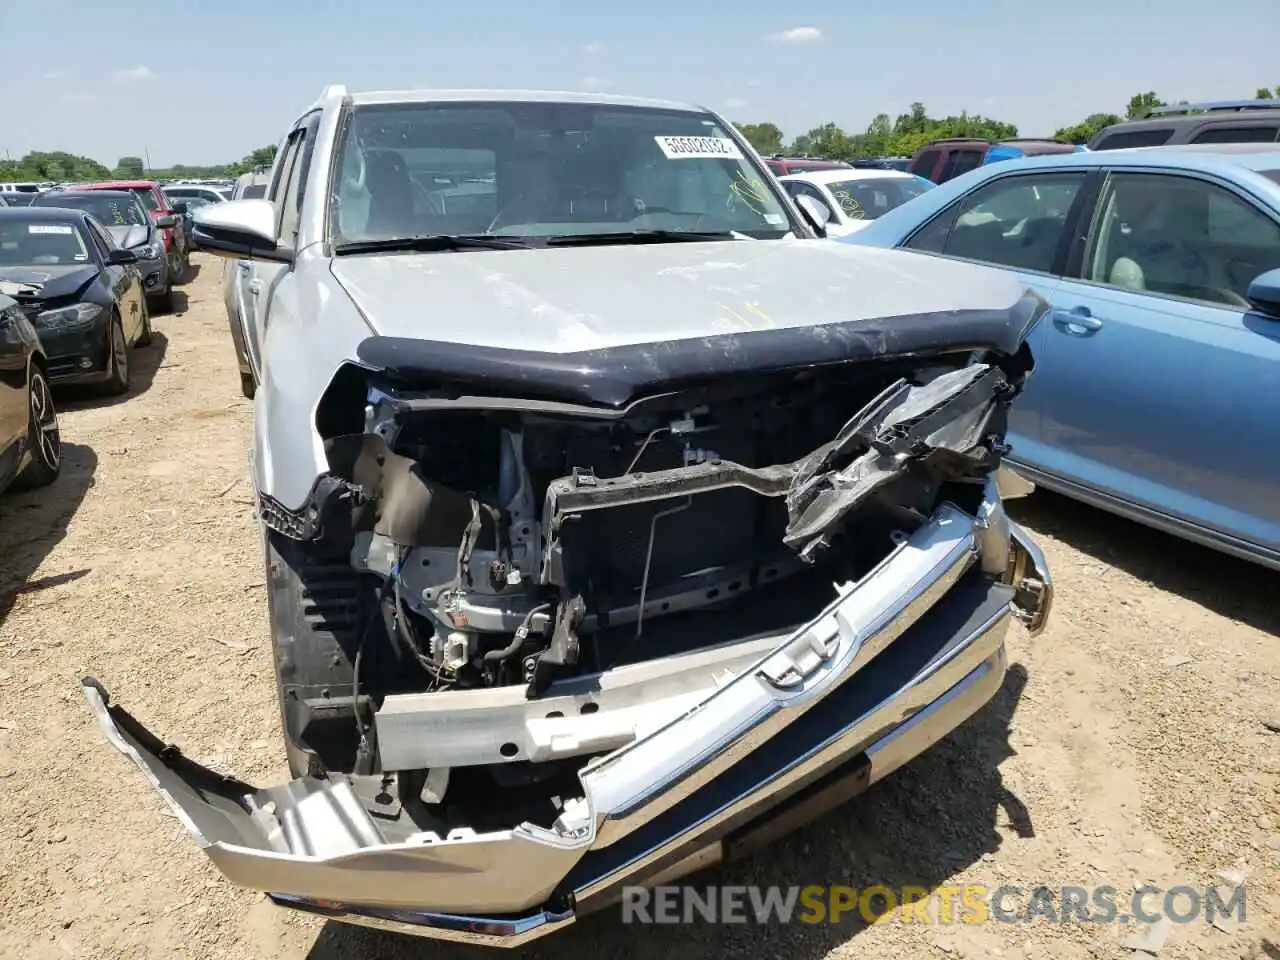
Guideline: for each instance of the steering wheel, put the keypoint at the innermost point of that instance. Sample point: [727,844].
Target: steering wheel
[501,218]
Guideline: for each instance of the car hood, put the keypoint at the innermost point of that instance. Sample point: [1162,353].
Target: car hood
[49,282]
[570,300]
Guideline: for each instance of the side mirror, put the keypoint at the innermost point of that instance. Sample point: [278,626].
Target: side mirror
[240,229]
[1264,293]
[816,211]
[121,258]
[166,221]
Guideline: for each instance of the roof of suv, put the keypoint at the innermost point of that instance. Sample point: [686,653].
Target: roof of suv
[528,96]
[1182,126]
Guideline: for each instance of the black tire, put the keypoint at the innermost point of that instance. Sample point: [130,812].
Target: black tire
[43,435]
[248,385]
[117,382]
[146,337]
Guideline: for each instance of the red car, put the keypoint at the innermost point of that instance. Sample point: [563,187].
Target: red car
[157,204]
[781,166]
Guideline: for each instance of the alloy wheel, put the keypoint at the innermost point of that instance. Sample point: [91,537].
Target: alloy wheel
[45,417]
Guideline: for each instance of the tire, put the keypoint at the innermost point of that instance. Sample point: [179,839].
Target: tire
[43,435]
[248,386]
[146,337]
[117,383]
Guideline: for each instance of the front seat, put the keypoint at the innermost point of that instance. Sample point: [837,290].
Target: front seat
[391,208]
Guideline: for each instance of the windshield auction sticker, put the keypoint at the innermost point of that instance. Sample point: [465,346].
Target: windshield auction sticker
[699,148]
[49,228]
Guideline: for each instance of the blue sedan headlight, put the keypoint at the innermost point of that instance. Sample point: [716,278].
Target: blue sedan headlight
[65,318]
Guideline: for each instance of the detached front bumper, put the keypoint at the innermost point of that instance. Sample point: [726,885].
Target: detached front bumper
[893,664]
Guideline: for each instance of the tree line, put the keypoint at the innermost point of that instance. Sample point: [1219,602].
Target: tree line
[59,166]
[900,137]
[903,136]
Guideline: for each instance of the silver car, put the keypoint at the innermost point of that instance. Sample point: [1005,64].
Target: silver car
[611,519]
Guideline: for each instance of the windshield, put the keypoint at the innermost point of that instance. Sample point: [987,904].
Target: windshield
[148,198]
[24,243]
[545,170]
[110,211]
[872,197]
[255,191]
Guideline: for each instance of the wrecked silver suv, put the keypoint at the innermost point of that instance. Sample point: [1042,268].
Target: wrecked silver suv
[609,524]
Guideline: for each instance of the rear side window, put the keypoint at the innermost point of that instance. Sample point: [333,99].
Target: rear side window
[1224,134]
[254,191]
[925,163]
[1015,222]
[148,199]
[1120,140]
[961,161]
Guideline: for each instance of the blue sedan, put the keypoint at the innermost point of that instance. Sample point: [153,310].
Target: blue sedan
[1158,369]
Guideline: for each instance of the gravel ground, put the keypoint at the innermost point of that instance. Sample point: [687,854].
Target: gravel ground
[1130,743]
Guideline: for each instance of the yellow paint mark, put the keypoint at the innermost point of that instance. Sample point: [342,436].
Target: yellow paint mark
[761,314]
[746,324]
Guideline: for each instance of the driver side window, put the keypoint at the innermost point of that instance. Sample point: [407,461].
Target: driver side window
[1179,236]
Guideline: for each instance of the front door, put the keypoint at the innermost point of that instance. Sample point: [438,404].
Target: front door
[13,387]
[1160,384]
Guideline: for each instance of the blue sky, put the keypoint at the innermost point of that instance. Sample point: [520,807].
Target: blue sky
[194,81]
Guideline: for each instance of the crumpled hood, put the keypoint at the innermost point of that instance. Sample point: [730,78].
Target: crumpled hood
[130,235]
[49,282]
[587,298]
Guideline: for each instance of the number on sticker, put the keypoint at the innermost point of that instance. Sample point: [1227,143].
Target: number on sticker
[699,148]
[59,228]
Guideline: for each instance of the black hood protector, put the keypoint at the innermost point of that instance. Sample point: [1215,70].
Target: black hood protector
[613,376]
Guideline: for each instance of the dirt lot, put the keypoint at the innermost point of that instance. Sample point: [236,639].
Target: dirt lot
[1129,745]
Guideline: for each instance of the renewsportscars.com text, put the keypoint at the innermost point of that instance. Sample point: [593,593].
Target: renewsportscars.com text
[971,904]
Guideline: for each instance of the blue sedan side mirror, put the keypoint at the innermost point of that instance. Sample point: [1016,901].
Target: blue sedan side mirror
[1264,293]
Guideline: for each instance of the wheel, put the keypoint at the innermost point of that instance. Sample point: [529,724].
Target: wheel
[117,382]
[43,435]
[248,386]
[145,337]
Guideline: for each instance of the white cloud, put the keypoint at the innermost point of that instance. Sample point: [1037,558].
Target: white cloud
[134,75]
[592,48]
[54,75]
[796,35]
[989,101]
[591,83]
[735,103]
[755,83]
[81,97]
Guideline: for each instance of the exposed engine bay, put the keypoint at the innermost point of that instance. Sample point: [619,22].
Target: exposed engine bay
[519,541]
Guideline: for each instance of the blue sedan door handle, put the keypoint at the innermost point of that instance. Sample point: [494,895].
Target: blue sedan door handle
[1077,322]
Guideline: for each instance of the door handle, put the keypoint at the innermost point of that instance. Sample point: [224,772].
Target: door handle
[255,287]
[1077,322]
[244,266]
